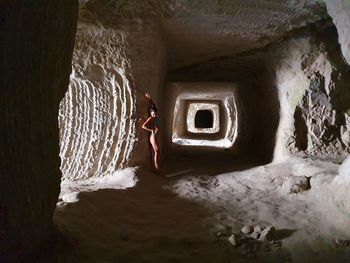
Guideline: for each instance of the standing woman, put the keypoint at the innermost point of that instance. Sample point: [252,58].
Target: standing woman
[152,124]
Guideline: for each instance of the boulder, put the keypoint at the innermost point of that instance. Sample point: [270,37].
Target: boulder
[232,240]
[247,229]
[296,184]
[268,234]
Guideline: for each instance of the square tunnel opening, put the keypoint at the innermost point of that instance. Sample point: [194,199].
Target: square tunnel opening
[203,119]
[244,104]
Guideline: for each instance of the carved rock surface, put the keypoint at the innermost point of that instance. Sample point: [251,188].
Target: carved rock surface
[113,66]
[339,10]
[124,48]
[37,44]
[296,184]
[312,80]
[197,31]
[268,234]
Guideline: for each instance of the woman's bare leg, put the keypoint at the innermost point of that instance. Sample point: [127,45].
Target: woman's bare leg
[154,143]
[156,159]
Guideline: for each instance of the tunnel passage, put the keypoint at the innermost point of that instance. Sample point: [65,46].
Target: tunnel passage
[30,147]
[99,118]
[214,103]
[237,102]
[203,119]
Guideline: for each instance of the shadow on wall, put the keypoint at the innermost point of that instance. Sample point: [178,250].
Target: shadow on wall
[300,130]
[36,53]
[267,112]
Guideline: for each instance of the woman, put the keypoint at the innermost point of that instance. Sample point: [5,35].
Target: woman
[152,124]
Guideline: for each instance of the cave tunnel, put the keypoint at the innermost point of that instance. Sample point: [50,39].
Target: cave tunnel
[254,105]
[203,119]
[237,96]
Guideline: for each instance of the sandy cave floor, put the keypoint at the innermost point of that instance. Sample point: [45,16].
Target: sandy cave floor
[189,218]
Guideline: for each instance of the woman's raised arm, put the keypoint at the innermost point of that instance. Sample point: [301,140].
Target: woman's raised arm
[151,102]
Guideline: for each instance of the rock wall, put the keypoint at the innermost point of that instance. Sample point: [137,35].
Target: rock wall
[36,50]
[339,10]
[200,30]
[313,82]
[124,48]
[115,62]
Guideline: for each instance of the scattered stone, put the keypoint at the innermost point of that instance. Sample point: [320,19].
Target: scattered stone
[268,234]
[232,240]
[255,235]
[258,229]
[247,229]
[342,242]
[219,228]
[296,184]
[218,234]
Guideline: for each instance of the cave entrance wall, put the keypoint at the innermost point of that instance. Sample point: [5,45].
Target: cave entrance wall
[37,41]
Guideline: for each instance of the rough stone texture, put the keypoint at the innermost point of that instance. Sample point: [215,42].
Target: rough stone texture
[124,48]
[247,229]
[258,229]
[232,240]
[344,170]
[196,31]
[268,234]
[255,235]
[313,86]
[296,184]
[300,85]
[114,63]
[339,10]
[36,50]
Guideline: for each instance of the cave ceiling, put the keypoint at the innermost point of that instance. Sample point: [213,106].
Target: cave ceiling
[200,30]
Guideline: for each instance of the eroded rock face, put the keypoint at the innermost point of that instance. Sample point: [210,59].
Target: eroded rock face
[340,13]
[313,84]
[197,31]
[125,48]
[37,43]
[114,63]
